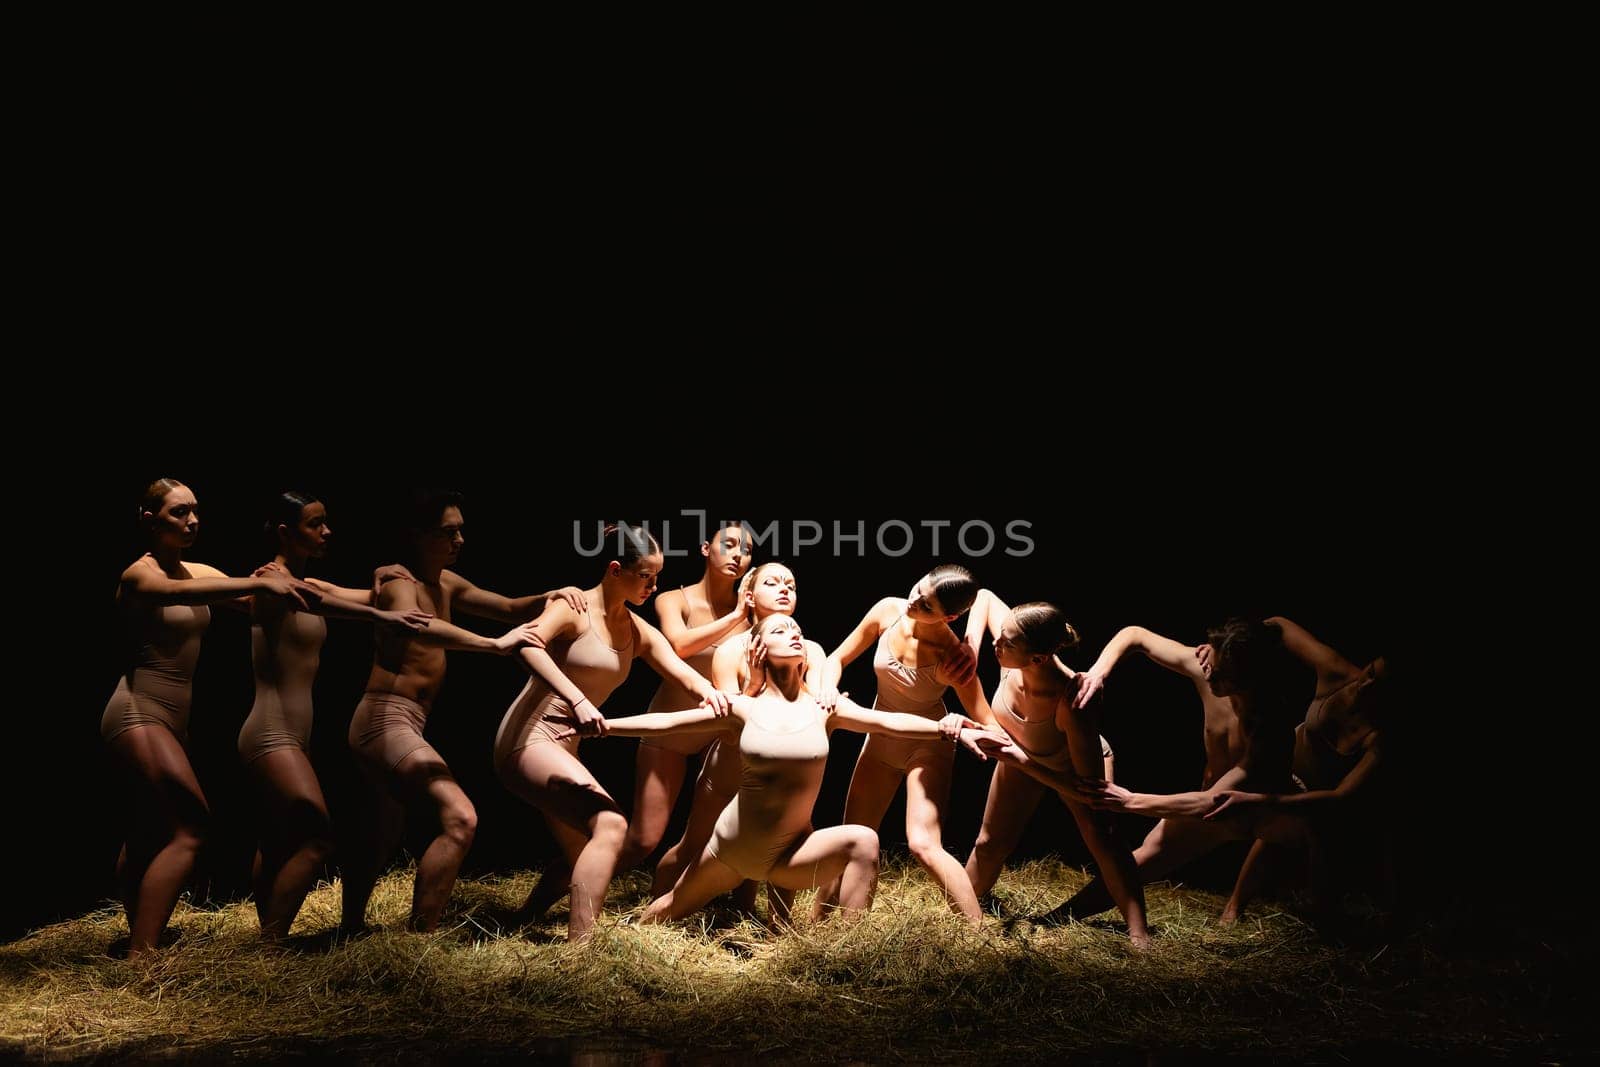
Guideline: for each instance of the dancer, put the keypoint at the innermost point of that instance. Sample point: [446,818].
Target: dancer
[163,602]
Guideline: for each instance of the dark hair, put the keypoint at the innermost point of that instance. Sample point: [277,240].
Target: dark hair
[285,510]
[1043,628]
[1249,654]
[155,493]
[427,505]
[633,542]
[953,586]
[739,524]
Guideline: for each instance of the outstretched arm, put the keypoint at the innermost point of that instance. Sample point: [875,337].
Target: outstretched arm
[399,599]
[849,715]
[701,720]
[211,586]
[1002,749]
[1172,655]
[470,600]
[1358,778]
[1191,805]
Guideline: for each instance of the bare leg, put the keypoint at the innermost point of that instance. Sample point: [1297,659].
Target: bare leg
[1251,874]
[297,837]
[703,881]
[717,786]
[423,780]
[552,779]
[377,825]
[872,788]
[658,778]
[1119,876]
[1168,846]
[170,816]
[927,795]
[555,881]
[780,905]
[1124,883]
[1013,798]
[846,856]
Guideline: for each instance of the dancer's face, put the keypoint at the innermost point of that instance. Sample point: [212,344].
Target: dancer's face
[639,580]
[922,605]
[310,535]
[774,591]
[729,554]
[441,546]
[177,524]
[1008,647]
[783,638]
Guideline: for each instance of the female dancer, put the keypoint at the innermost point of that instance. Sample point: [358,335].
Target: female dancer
[917,657]
[162,600]
[695,620]
[581,656]
[275,741]
[783,745]
[769,590]
[1033,705]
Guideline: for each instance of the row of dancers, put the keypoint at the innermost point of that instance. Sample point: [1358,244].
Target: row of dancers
[741,685]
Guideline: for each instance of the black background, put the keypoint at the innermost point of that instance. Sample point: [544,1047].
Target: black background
[1222,350]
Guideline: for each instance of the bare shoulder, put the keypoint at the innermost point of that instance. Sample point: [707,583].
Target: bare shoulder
[887,610]
[202,570]
[142,565]
[672,602]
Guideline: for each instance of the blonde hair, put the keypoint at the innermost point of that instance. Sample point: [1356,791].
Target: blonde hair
[747,585]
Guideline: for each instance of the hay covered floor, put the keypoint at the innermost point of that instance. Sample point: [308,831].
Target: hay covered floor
[907,983]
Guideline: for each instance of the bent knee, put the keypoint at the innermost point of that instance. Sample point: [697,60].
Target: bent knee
[863,846]
[925,845]
[190,836]
[610,825]
[460,823]
[990,848]
[318,849]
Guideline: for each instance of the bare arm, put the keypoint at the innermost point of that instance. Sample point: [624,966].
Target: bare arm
[686,640]
[988,614]
[656,650]
[1065,783]
[1329,665]
[1172,655]
[971,697]
[1191,805]
[861,638]
[470,600]
[849,715]
[341,592]
[209,586]
[401,598]
[1357,779]
[665,723]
